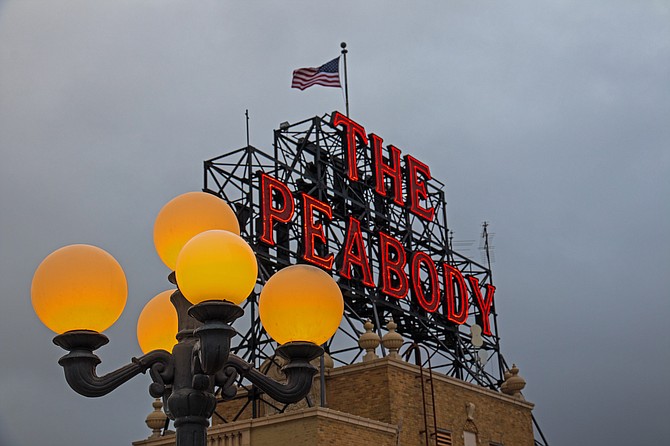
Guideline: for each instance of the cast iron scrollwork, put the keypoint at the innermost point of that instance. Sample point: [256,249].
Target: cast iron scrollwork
[200,362]
[80,365]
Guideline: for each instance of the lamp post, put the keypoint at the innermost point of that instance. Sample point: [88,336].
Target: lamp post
[80,290]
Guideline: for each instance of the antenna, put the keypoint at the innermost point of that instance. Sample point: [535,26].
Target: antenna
[246,113]
[462,245]
[487,248]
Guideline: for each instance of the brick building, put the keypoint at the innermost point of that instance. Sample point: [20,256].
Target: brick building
[380,401]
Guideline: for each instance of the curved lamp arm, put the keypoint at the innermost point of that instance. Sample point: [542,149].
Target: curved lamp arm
[299,372]
[80,364]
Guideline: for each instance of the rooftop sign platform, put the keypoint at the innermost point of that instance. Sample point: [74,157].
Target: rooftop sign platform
[335,195]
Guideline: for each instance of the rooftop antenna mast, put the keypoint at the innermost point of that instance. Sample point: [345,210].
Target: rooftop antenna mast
[487,247]
[246,114]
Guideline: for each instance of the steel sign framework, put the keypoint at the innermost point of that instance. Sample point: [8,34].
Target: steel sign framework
[309,157]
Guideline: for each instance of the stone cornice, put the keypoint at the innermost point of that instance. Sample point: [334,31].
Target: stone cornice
[319,413]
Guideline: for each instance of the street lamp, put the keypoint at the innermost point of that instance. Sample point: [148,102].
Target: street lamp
[157,325]
[80,290]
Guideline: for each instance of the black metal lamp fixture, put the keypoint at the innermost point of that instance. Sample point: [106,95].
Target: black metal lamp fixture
[80,290]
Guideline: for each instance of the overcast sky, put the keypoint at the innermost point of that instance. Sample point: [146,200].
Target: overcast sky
[548,119]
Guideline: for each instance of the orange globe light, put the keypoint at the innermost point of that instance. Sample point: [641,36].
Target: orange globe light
[216,265]
[188,215]
[157,325]
[79,287]
[301,303]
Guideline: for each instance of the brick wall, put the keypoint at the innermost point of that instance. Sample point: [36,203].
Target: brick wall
[389,390]
[373,403]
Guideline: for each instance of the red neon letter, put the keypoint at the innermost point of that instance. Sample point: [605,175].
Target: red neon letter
[313,230]
[382,170]
[354,253]
[272,191]
[431,305]
[388,266]
[416,187]
[352,131]
[454,279]
[484,304]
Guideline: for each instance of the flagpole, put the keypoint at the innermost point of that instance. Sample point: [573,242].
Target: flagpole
[346,82]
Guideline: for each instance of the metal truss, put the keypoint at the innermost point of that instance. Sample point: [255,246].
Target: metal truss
[309,157]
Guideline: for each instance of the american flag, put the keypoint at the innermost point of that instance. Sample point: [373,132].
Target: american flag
[327,75]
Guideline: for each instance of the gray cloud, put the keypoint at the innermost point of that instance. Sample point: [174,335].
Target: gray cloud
[548,120]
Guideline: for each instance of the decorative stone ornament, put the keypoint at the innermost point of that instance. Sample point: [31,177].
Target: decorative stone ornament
[470,425]
[503,386]
[156,419]
[369,341]
[328,361]
[514,383]
[392,340]
[470,410]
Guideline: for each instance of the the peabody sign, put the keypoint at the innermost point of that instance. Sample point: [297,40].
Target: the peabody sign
[333,195]
[436,286]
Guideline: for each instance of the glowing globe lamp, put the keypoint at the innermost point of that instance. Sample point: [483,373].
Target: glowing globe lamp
[216,265]
[187,215]
[157,325]
[79,287]
[301,303]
